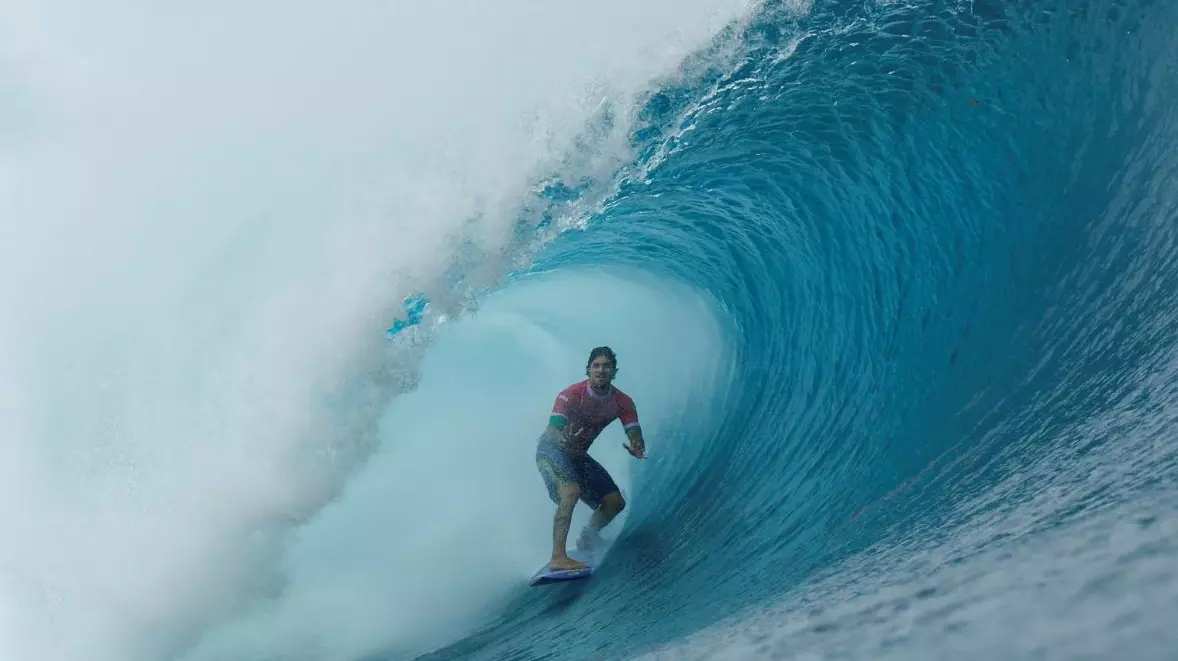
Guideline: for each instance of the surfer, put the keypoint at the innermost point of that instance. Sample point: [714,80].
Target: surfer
[580,413]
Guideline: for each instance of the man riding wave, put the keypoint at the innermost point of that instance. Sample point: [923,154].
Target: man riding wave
[579,415]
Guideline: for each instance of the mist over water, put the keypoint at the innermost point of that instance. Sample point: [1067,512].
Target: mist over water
[209,217]
[444,520]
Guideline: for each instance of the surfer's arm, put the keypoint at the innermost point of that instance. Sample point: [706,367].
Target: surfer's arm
[555,428]
[629,418]
[635,435]
[637,445]
[559,418]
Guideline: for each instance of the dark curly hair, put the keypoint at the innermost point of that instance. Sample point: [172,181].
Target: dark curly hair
[602,351]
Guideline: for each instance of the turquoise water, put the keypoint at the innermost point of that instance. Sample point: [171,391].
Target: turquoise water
[289,289]
[944,236]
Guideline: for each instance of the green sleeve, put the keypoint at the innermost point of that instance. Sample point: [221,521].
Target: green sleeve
[558,421]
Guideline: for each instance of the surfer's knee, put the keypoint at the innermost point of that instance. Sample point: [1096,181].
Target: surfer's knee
[569,493]
[614,502]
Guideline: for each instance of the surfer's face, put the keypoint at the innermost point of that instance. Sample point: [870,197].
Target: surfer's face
[601,372]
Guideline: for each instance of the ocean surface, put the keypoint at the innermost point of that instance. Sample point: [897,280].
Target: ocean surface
[894,285]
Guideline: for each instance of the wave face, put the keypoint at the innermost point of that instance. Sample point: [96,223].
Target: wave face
[942,238]
[892,284]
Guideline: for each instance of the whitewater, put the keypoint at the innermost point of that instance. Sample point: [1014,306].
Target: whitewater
[288,291]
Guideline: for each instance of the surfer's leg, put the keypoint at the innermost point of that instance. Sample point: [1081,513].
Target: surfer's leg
[599,491]
[611,505]
[559,478]
[569,493]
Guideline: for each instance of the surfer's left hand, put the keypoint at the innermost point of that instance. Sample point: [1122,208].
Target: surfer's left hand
[638,451]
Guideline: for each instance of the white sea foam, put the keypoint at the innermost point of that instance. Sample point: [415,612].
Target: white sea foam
[206,216]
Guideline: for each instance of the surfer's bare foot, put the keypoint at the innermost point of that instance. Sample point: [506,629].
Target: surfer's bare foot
[566,563]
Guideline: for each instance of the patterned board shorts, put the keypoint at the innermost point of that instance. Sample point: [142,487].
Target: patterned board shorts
[557,466]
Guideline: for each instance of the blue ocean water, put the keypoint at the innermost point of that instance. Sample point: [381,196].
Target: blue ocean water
[941,239]
[288,290]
